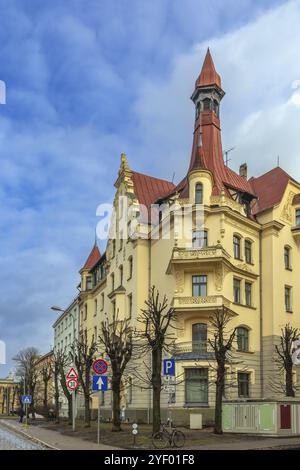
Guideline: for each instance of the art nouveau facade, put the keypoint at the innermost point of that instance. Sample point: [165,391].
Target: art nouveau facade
[244,256]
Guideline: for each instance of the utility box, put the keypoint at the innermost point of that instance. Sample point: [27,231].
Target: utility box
[272,418]
[195,421]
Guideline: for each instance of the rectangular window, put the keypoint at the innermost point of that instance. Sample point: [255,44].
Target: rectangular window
[248,294]
[199,286]
[199,239]
[130,306]
[248,251]
[130,267]
[85,312]
[287,263]
[102,301]
[129,391]
[89,283]
[95,333]
[121,241]
[297,217]
[114,307]
[196,386]
[199,337]
[95,307]
[243,384]
[113,248]
[237,247]
[287,298]
[112,282]
[236,291]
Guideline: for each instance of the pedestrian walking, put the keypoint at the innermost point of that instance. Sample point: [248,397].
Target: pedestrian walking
[21,414]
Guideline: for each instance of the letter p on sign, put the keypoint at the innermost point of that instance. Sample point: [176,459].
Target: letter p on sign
[169,366]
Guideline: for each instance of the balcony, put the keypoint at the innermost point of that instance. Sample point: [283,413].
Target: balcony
[191,303]
[191,351]
[213,253]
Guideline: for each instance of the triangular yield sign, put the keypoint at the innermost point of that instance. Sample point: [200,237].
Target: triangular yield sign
[72,374]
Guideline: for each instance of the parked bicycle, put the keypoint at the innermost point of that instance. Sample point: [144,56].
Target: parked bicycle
[168,437]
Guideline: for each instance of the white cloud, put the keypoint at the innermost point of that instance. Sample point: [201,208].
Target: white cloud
[260,117]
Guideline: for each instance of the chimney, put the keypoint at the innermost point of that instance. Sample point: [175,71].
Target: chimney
[243,170]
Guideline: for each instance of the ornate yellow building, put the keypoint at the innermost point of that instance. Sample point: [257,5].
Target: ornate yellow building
[244,256]
[9,396]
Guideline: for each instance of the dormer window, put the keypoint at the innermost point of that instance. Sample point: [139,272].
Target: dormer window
[199,193]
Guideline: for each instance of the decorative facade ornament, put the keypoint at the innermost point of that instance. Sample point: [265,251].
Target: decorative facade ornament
[179,276]
[287,211]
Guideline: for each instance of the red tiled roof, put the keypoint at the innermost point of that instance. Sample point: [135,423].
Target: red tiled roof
[149,189]
[208,75]
[269,188]
[93,258]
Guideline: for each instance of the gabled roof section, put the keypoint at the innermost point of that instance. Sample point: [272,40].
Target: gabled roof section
[93,258]
[269,188]
[149,189]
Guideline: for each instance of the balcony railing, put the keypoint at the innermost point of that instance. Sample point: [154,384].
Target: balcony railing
[192,350]
[207,302]
[208,253]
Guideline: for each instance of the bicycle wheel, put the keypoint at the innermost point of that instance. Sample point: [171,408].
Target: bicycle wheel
[178,439]
[160,440]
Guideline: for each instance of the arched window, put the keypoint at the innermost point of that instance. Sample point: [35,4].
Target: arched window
[242,337]
[199,193]
[207,104]
[199,337]
[248,251]
[197,109]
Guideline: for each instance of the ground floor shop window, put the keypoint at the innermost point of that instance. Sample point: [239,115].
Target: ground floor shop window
[196,386]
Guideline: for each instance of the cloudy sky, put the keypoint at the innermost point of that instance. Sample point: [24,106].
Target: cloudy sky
[89,79]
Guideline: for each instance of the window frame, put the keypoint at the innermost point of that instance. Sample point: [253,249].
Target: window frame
[288,306]
[244,338]
[248,250]
[199,345]
[243,382]
[297,217]
[238,282]
[190,381]
[287,257]
[196,237]
[200,284]
[237,246]
[198,191]
[248,304]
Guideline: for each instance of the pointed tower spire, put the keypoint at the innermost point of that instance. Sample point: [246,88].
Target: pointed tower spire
[93,257]
[208,75]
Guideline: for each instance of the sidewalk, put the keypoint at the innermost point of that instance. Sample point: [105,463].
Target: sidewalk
[54,439]
[267,443]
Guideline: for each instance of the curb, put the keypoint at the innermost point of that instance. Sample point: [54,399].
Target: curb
[31,438]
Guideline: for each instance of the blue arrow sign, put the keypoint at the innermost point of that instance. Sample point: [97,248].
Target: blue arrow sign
[100,383]
[169,366]
[26,399]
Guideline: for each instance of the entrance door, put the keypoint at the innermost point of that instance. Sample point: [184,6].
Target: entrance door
[285,417]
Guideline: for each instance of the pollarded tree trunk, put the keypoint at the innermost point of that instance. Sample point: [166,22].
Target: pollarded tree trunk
[56,396]
[156,384]
[116,388]
[70,410]
[289,387]
[87,410]
[219,399]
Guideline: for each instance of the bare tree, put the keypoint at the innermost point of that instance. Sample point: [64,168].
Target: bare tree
[116,339]
[27,373]
[158,320]
[82,355]
[61,361]
[56,368]
[283,358]
[221,344]
[47,374]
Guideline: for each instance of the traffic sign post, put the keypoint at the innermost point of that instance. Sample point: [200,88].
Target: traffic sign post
[134,432]
[72,385]
[100,366]
[99,384]
[169,366]
[26,400]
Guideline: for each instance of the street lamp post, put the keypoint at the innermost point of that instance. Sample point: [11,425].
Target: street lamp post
[58,309]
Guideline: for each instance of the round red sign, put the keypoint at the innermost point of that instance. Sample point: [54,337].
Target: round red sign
[100,366]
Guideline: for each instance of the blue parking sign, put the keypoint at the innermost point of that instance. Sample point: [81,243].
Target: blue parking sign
[169,367]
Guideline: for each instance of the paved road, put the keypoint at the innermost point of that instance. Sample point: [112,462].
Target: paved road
[12,441]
